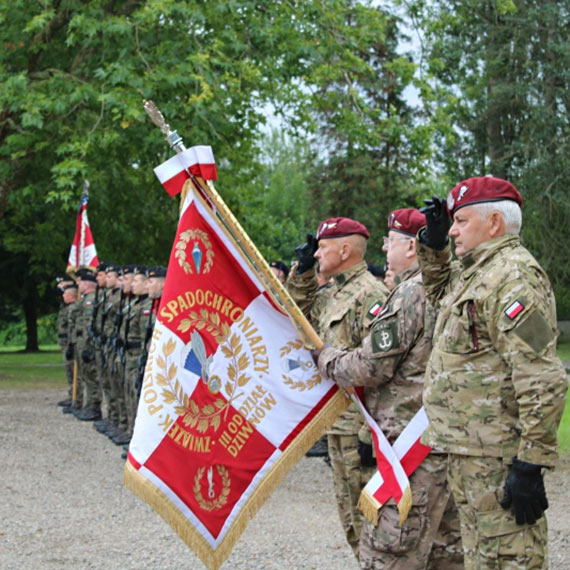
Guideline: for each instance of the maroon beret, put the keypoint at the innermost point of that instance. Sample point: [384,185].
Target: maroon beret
[340,227]
[479,190]
[406,221]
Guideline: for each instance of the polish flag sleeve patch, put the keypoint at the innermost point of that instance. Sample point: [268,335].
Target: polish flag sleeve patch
[513,310]
[375,310]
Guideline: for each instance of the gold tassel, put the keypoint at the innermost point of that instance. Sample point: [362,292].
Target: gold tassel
[405,505]
[369,506]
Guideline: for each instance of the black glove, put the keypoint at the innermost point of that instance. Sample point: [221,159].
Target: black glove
[86,356]
[306,253]
[524,491]
[438,223]
[366,452]
[69,352]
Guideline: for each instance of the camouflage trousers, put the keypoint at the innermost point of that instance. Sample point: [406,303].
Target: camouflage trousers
[131,397]
[88,371]
[491,537]
[429,539]
[115,374]
[104,377]
[68,363]
[349,479]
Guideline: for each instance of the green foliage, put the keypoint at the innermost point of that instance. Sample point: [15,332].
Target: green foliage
[15,333]
[495,85]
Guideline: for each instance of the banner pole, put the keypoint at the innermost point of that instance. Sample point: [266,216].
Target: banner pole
[74,385]
[260,265]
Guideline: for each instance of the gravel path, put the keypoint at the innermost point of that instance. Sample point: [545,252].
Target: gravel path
[63,505]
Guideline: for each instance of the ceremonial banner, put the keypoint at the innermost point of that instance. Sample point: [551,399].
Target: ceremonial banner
[231,399]
[197,160]
[395,464]
[82,252]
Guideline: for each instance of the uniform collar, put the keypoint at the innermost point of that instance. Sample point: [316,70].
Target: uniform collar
[407,274]
[343,278]
[484,251]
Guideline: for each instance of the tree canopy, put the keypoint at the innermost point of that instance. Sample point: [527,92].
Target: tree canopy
[74,75]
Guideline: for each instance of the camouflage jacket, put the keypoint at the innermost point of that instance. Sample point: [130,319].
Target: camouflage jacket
[393,357]
[63,326]
[109,312]
[494,386]
[99,318]
[139,315]
[72,309]
[83,320]
[342,315]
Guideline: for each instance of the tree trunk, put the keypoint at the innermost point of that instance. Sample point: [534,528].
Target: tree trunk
[30,314]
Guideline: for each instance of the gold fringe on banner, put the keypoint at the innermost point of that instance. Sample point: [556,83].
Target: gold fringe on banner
[138,484]
[214,558]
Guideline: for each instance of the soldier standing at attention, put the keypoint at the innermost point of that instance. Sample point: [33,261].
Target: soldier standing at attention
[108,311]
[63,330]
[494,388]
[391,365]
[135,333]
[341,314]
[85,348]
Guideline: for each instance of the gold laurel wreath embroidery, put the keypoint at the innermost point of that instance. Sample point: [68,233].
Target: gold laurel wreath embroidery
[232,349]
[300,385]
[313,381]
[222,499]
[291,345]
[202,418]
[182,243]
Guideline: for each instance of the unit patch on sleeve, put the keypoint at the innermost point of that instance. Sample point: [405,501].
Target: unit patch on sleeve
[513,310]
[385,337]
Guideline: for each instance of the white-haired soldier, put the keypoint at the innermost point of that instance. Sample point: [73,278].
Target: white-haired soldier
[494,388]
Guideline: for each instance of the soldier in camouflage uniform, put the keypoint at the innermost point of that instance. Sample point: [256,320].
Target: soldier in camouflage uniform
[96,325]
[495,390]
[342,315]
[71,352]
[105,328]
[85,349]
[65,284]
[391,365]
[135,334]
[118,342]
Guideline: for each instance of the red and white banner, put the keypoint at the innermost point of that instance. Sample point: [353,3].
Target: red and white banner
[82,252]
[395,463]
[231,399]
[198,160]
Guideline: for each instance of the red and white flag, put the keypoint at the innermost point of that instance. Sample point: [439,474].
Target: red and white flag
[82,252]
[231,399]
[197,160]
[395,463]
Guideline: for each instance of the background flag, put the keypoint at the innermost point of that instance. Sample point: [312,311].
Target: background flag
[231,399]
[197,160]
[82,252]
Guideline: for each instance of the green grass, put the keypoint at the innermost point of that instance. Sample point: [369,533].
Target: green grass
[563,350]
[28,371]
